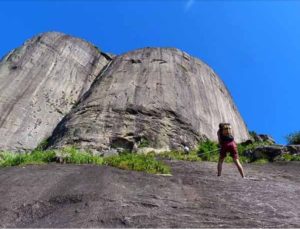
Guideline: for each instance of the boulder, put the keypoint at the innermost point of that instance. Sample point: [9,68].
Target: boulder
[248,142]
[40,82]
[266,138]
[267,152]
[293,149]
[262,138]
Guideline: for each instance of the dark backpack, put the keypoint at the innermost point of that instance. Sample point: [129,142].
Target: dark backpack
[226,132]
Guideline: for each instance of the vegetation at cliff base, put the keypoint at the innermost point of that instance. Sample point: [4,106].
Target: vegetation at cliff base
[34,157]
[293,138]
[208,151]
[180,155]
[138,162]
[289,157]
[205,151]
[150,163]
[72,155]
[261,161]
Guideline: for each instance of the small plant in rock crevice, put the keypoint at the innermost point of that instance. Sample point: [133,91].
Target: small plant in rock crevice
[143,142]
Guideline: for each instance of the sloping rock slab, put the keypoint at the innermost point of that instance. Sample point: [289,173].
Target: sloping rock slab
[68,196]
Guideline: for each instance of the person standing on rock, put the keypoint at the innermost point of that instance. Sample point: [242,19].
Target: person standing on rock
[227,143]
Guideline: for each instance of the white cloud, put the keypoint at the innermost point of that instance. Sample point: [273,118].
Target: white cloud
[188,5]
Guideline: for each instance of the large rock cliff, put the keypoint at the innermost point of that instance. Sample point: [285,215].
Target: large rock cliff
[161,98]
[39,84]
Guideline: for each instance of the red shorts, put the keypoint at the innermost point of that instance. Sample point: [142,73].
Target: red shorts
[229,147]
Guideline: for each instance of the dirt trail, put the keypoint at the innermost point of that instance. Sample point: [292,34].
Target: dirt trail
[57,195]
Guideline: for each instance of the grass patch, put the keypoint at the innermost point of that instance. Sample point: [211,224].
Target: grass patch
[42,145]
[206,151]
[209,151]
[295,157]
[138,162]
[68,155]
[180,155]
[34,157]
[244,148]
[244,159]
[288,157]
[72,155]
[245,151]
[144,142]
[261,161]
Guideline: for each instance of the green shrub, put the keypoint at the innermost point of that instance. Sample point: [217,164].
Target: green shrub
[144,142]
[244,159]
[10,159]
[126,160]
[293,138]
[253,134]
[75,156]
[288,157]
[208,151]
[295,158]
[69,155]
[42,145]
[138,162]
[39,156]
[243,149]
[35,157]
[261,161]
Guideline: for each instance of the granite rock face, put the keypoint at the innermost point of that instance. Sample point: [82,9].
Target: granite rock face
[39,84]
[161,98]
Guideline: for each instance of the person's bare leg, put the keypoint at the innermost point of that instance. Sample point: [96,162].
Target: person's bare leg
[220,166]
[239,166]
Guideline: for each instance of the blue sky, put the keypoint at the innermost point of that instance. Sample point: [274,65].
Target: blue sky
[254,46]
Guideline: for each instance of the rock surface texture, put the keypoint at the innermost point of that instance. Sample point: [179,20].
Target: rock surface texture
[86,196]
[161,96]
[39,84]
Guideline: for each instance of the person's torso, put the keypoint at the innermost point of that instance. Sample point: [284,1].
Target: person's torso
[226,138]
[226,135]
